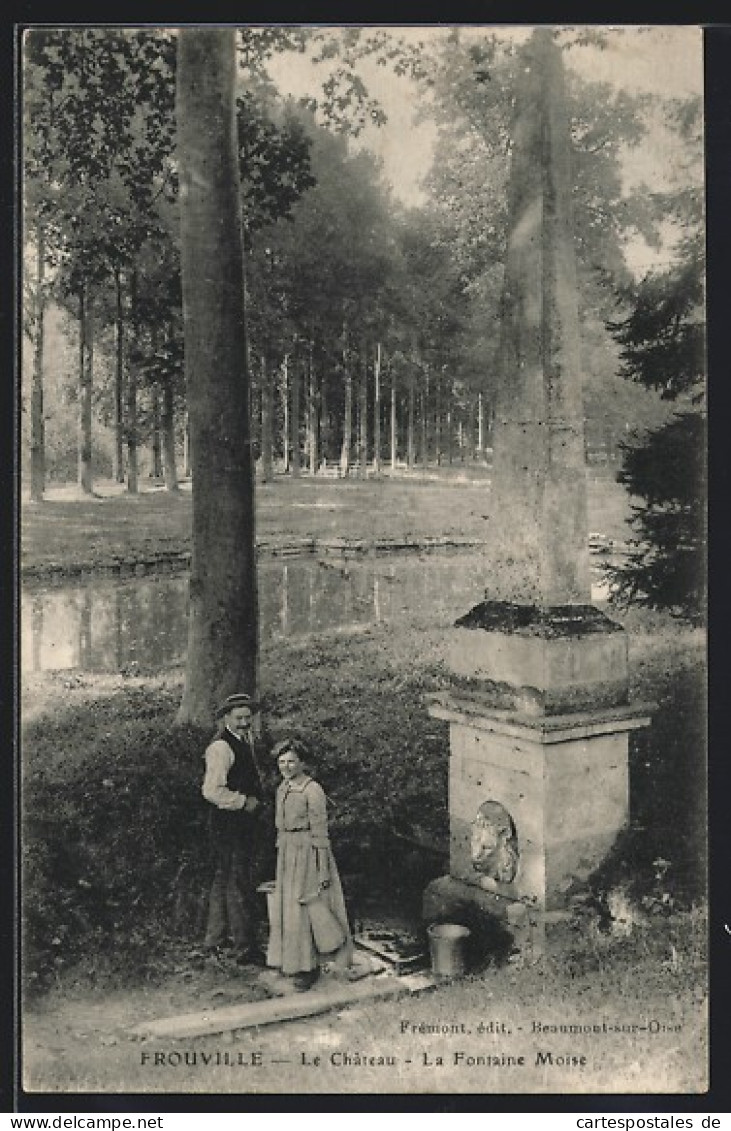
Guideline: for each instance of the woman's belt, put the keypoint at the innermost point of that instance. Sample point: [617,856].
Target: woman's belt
[297,829]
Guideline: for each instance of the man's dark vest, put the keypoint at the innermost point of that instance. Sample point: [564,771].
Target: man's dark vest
[243,777]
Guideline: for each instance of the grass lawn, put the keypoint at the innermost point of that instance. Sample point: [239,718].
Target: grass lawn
[114,872]
[68,533]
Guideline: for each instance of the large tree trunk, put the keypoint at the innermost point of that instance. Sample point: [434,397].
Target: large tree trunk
[267,410]
[223,614]
[131,425]
[85,475]
[37,421]
[168,435]
[119,383]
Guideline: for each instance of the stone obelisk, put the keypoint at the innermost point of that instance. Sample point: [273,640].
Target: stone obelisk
[539,517]
[538,709]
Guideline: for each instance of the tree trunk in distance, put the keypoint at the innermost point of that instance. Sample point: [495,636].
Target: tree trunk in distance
[480,425]
[186,446]
[85,385]
[312,408]
[267,459]
[377,411]
[285,412]
[448,423]
[119,383]
[424,397]
[132,465]
[156,440]
[223,611]
[410,445]
[393,421]
[322,417]
[168,437]
[296,388]
[363,433]
[347,410]
[37,421]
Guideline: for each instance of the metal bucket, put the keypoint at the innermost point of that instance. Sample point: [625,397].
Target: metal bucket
[267,889]
[446,947]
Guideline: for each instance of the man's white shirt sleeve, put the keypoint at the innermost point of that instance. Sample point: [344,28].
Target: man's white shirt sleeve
[219,760]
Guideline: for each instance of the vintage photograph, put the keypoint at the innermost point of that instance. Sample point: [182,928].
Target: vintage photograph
[362,605]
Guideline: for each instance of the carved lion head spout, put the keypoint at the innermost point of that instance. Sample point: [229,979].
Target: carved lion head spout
[494,847]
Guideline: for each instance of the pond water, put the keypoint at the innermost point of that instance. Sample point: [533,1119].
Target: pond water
[116,624]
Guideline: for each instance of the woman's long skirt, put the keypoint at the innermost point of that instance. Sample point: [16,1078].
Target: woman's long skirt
[291,945]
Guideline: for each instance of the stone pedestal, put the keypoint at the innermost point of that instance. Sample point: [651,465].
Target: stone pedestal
[562,783]
[539,726]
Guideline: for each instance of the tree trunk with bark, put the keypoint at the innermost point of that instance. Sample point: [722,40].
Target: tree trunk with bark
[347,410]
[480,425]
[267,411]
[119,382]
[312,438]
[285,413]
[156,469]
[37,420]
[438,418]
[296,388]
[86,360]
[448,425]
[131,422]
[377,411]
[410,439]
[393,420]
[186,446]
[223,613]
[363,411]
[424,398]
[168,436]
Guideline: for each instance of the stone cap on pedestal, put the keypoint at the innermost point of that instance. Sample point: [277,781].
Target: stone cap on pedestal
[474,711]
[540,661]
[549,623]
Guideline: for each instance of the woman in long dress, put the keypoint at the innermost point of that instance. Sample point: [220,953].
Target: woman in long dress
[306,870]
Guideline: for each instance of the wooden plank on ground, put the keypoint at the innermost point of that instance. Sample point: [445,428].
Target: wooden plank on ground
[289,1008]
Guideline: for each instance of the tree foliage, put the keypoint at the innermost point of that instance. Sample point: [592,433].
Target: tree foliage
[662,346]
[665,568]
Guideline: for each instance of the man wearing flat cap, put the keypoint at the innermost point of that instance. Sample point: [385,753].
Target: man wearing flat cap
[233,788]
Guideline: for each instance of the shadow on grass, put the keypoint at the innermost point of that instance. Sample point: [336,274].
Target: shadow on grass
[663,855]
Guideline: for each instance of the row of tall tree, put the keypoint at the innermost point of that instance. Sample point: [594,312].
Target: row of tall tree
[372,328]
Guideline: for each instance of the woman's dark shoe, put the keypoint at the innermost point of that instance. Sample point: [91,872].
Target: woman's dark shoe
[305,980]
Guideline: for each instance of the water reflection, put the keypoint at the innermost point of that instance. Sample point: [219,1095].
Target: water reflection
[116,625]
